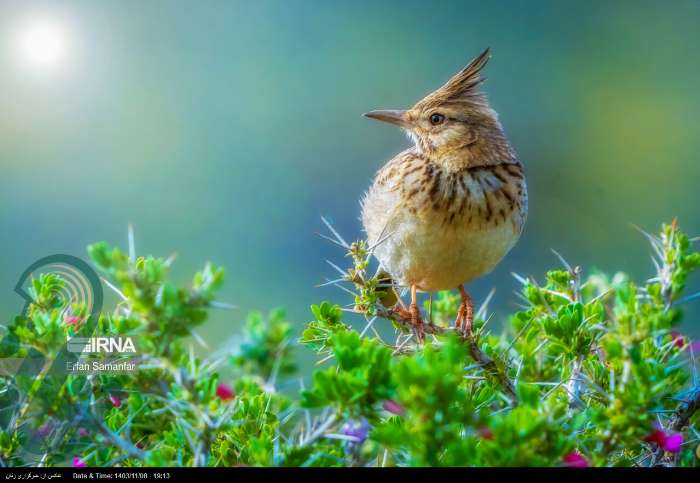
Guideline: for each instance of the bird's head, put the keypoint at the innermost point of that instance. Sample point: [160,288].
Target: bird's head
[454,125]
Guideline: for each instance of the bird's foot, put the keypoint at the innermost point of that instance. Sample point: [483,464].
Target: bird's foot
[465,314]
[417,322]
[412,317]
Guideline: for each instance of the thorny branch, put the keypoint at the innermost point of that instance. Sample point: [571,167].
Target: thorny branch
[574,384]
[468,336]
[686,411]
[490,366]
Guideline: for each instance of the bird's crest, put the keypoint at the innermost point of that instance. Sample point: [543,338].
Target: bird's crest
[463,86]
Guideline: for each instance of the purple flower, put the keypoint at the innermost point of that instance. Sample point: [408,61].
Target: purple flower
[394,407]
[83,433]
[357,429]
[116,402]
[44,430]
[79,463]
[575,460]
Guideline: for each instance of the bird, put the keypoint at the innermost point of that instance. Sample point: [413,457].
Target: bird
[446,210]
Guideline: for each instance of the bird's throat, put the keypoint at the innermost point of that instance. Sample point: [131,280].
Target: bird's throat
[472,153]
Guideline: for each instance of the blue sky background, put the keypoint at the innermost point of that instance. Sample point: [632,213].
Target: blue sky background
[224,130]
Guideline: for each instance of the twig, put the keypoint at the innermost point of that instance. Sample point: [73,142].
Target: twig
[686,410]
[319,431]
[489,365]
[573,385]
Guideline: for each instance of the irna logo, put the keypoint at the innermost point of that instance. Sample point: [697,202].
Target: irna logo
[101,344]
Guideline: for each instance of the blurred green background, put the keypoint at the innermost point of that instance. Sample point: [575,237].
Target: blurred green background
[223,130]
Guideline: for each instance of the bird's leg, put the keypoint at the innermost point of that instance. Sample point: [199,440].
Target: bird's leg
[411,316]
[465,313]
[416,318]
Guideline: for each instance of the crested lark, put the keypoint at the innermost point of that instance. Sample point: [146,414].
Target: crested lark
[452,205]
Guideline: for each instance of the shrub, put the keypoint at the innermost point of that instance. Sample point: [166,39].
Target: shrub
[589,371]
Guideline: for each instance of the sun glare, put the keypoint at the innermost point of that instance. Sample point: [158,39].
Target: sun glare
[42,44]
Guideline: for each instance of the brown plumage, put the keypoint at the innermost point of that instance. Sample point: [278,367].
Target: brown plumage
[454,203]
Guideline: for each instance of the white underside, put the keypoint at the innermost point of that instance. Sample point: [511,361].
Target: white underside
[421,251]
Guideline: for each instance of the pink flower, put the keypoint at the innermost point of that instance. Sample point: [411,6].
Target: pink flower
[678,339]
[225,392]
[668,442]
[682,342]
[79,463]
[673,443]
[394,408]
[72,320]
[83,433]
[574,460]
[116,402]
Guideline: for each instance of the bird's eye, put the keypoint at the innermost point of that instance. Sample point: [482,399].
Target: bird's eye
[436,118]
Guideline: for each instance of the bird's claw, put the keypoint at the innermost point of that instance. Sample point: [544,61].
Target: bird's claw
[461,323]
[413,317]
[465,315]
[417,322]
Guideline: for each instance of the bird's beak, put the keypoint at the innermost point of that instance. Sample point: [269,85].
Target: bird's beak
[391,116]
